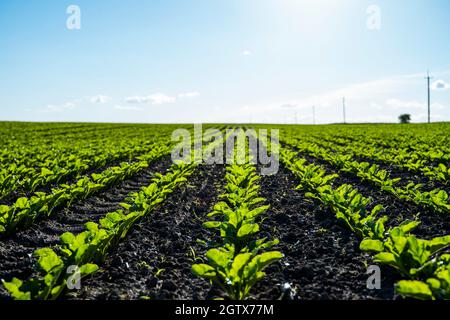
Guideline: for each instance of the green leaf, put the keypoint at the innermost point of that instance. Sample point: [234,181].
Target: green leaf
[88,268]
[247,229]
[212,224]
[386,258]
[379,228]
[4,209]
[56,290]
[14,289]
[399,243]
[114,217]
[203,270]
[414,289]
[417,250]
[371,245]
[257,211]
[126,206]
[438,243]
[48,259]
[238,265]
[257,264]
[408,226]
[67,238]
[266,258]
[46,172]
[92,226]
[21,203]
[434,284]
[219,257]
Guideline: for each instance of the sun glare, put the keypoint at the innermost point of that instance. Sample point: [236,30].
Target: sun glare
[311,6]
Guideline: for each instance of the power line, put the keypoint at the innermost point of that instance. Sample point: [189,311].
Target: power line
[429,95]
[314,114]
[343,109]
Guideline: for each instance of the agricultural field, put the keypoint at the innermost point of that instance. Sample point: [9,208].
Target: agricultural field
[101,211]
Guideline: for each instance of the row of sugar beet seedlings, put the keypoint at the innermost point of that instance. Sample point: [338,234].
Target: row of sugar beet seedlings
[83,252]
[25,211]
[400,158]
[437,199]
[426,270]
[59,167]
[237,261]
[90,247]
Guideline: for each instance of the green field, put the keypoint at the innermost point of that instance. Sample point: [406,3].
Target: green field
[100,211]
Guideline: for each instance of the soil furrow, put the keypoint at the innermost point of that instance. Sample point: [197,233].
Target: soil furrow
[394,171]
[322,258]
[433,224]
[70,179]
[406,176]
[15,251]
[155,259]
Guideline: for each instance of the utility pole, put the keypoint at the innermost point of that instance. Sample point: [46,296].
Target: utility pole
[343,108]
[429,95]
[314,114]
[296,119]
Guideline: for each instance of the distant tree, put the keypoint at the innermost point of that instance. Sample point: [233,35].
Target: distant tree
[404,118]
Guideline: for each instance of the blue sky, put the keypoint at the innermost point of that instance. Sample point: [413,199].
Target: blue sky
[223,60]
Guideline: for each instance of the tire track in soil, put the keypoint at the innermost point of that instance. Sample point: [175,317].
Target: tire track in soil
[322,259]
[161,241]
[15,252]
[433,224]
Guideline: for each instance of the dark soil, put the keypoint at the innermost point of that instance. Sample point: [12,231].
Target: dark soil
[69,179]
[155,259]
[322,259]
[428,162]
[15,252]
[433,224]
[394,171]
[407,176]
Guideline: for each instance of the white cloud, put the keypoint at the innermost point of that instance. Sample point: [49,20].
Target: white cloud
[189,94]
[160,98]
[58,108]
[128,108]
[246,52]
[370,93]
[136,99]
[437,106]
[361,91]
[372,101]
[374,119]
[100,99]
[400,104]
[440,85]
[289,105]
[423,117]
